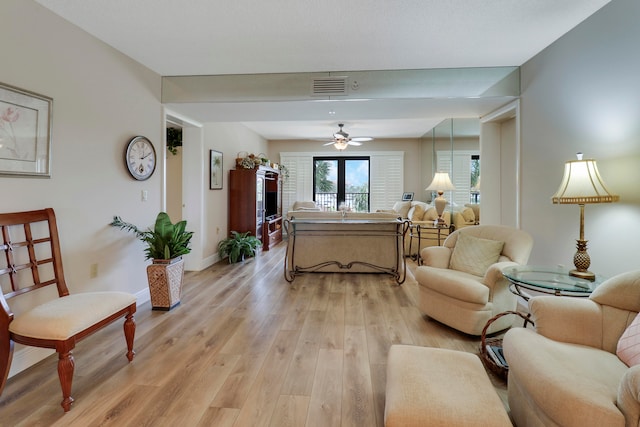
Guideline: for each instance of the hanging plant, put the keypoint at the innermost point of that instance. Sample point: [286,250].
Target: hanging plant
[174,140]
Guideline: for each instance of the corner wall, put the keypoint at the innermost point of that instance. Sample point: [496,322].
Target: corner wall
[582,94]
[101,99]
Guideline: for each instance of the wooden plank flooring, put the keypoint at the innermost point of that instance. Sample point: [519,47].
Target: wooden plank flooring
[244,348]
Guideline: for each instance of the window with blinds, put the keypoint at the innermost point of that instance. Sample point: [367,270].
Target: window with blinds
[386,179]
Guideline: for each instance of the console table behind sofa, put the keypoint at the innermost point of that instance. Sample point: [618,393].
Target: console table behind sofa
[350,243]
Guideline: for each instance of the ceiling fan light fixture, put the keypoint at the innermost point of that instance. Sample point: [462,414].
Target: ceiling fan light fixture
[340,145]
[341,139]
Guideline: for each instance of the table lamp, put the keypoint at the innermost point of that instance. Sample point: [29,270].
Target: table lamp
[440,183]
[582,184]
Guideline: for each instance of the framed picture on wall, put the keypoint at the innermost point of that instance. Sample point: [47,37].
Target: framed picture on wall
[407,197]
[25,132]
[215,170]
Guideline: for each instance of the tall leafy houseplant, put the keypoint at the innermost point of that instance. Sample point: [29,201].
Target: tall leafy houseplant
[165,245]
[239,246]
[165,241]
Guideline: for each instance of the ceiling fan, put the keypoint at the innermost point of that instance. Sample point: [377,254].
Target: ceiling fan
[341,139]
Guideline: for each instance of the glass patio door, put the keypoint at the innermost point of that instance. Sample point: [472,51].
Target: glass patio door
[342,181]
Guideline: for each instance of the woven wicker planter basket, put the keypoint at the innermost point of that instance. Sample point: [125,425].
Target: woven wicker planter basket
[165,283]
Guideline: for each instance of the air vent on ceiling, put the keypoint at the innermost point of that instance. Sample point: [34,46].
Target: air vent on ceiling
[329,86]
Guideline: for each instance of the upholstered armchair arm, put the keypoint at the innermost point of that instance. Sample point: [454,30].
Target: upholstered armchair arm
[436,256]
[494,274]
[568,319]
[629,396]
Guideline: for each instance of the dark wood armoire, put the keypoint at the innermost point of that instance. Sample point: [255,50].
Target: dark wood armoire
[255,204]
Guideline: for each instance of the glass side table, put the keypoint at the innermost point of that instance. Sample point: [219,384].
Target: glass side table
[548,280]
[427,231]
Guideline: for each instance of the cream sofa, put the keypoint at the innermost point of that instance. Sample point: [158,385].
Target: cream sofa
[349,243]
[461,285]
[566,372]
[422,213]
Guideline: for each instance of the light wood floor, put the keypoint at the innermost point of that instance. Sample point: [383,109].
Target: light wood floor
[244,348]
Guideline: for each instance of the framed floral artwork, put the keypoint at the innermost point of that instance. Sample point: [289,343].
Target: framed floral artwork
[215,170]
[25,132]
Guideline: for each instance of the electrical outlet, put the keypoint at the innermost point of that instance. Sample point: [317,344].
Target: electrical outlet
[93,271]
[217,230]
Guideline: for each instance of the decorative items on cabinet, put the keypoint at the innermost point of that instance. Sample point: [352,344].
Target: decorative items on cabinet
[255,204]
[245,160]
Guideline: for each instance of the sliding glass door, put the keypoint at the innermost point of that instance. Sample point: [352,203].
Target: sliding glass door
[342,181]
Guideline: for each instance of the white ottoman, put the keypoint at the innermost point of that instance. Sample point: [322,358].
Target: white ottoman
[439,387]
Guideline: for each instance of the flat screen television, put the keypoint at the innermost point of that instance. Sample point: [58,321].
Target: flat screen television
[271,204]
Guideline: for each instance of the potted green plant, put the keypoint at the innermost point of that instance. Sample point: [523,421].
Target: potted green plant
[239,246]
[166,243]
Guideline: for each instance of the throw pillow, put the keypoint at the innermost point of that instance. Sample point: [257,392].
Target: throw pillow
[628,349]
[468,215]
[474,255]
[402,208]
[418,213]
[430,215]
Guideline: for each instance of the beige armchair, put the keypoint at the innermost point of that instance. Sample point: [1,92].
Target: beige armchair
[566,372]
[461,283]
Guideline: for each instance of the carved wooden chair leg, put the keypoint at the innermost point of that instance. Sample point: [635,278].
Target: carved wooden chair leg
[6,355]
[129,334]
[66,365]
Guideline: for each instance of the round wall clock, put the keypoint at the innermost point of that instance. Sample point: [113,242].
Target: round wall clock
[140,158]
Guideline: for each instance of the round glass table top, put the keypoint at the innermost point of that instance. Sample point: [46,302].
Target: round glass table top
[556,280]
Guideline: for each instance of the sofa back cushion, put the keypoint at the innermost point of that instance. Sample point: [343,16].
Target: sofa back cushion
[402,208]
[417,212]
[468,215]
[474,255]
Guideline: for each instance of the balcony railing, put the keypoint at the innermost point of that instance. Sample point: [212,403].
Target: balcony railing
[358,202]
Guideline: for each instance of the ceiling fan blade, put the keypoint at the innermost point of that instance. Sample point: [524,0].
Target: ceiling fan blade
[352,142]
[329,143]
[362,139]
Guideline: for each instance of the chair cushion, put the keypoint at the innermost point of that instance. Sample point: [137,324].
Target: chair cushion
[474,255]
[628,349]
[455,284]
[64,317]
[571,384]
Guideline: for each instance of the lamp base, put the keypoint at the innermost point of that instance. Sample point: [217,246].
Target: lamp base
[587,275]
[582,261]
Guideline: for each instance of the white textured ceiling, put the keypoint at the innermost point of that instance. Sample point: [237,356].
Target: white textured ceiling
[209,37]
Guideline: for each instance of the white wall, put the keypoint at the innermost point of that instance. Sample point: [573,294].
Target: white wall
[101,99]
[228,138]
[583,94]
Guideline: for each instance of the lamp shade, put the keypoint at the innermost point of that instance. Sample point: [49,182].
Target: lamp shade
[441,182]
[582,184]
